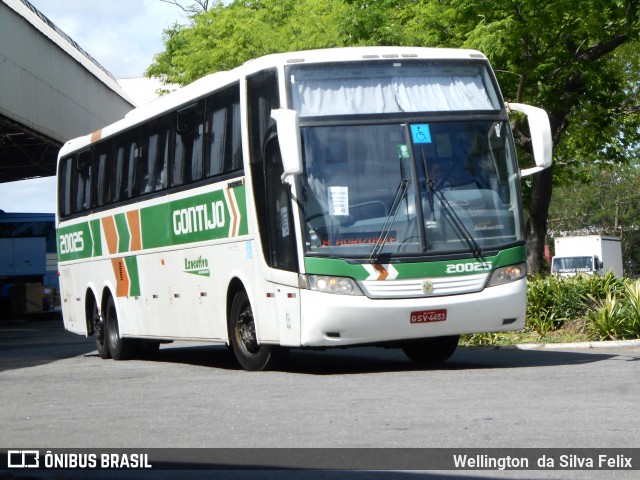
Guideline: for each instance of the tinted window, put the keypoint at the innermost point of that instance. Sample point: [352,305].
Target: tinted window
[199,140]
[82,181]
[188,158]
[155,155]
[223,144]
[101,174]
[124,173]
[262,96]
[64,186]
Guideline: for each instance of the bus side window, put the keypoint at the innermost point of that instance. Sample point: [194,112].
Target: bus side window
[101,180]
[154,162]
[235,136]
[223,142]
[83,181]
[216,136]
[64,186]
[187,160]
[124,177]
[118,173]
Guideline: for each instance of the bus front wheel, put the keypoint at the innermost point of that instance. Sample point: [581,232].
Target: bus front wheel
[428,351]
[120,348]
[250,354]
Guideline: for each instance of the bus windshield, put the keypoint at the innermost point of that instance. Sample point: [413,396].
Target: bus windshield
[409,189]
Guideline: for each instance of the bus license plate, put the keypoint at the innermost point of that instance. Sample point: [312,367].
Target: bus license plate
[428,316]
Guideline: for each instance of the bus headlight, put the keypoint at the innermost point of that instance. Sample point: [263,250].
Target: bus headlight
[507,274]
[326,284]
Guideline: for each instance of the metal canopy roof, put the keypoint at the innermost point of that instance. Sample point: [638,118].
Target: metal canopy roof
[25,154]
[50,91]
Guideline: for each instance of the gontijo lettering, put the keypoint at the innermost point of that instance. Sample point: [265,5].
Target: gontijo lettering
[198,218]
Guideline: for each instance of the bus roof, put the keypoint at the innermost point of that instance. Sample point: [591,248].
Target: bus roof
[358,53]
[214,81]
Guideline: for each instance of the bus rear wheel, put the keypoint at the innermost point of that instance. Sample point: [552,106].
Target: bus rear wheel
[99,333]
[120,348]
[429,351]
[250,354]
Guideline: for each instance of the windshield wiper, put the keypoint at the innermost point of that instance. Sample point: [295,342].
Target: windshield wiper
[401,192]
[458,225]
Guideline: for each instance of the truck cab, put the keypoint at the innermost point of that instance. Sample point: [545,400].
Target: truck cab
[587,255]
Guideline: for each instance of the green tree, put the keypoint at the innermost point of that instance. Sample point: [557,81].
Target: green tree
[194,8]
[574,59]
[603,201]
[564,57]
[226,36]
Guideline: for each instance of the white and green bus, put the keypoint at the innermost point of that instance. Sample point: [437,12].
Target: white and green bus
[316,199]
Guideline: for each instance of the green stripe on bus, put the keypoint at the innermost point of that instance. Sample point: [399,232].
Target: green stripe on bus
[208,216]
[195,219]
[357,271]
[134,276]
[74,242]
[155,226]
[96,238]
[124,237]
[241,199]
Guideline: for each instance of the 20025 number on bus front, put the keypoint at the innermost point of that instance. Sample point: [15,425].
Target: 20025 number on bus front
[469,267]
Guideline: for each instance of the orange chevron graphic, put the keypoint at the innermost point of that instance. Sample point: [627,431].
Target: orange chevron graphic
[111,234]
[133,219]
[122,277]
[233,232]
[382,272]
[95,136]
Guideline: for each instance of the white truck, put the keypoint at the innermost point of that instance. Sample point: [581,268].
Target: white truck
[588,254]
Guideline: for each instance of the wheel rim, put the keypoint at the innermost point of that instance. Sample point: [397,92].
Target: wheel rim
[245,332]
[98,326]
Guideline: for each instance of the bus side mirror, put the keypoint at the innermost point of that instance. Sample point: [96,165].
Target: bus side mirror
[289,140]
[540,130]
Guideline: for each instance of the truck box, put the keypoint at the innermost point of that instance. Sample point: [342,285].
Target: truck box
[587,254]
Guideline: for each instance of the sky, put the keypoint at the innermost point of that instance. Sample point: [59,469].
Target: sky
[123,36]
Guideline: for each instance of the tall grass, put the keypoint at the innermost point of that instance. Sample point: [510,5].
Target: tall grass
[604,307]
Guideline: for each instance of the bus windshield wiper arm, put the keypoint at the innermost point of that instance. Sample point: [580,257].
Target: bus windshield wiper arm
[457,223]
[401,191]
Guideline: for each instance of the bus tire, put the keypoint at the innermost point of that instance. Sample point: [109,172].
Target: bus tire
[99,333]
[249,353]
[120,348]
[428,351]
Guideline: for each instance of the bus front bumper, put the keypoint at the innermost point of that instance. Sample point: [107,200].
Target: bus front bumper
[330,320]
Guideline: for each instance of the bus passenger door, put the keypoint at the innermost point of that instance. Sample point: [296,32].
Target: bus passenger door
[281,249]
[288,314]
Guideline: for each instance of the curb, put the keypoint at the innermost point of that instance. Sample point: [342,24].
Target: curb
[576,345]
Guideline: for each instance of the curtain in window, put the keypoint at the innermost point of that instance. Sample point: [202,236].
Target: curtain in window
[390,95]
